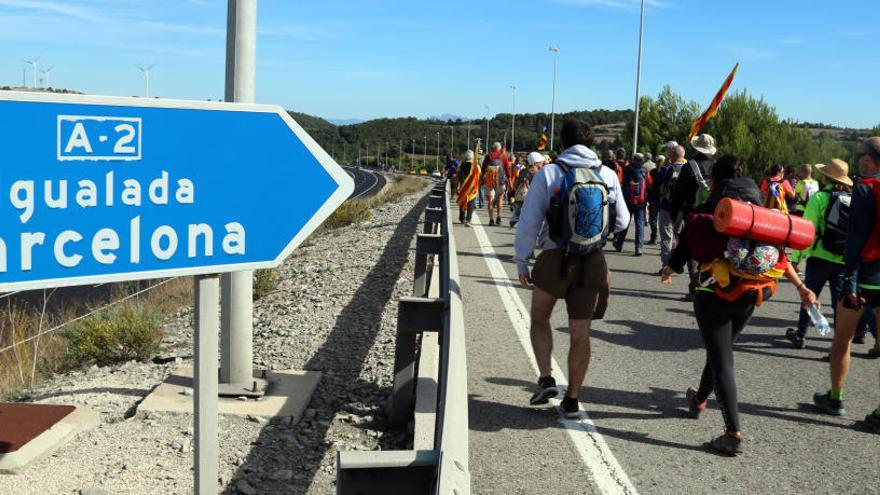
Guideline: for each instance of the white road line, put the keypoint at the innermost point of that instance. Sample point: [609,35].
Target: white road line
[603,467]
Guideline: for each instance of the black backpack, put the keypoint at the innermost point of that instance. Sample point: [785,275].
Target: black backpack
[836,220]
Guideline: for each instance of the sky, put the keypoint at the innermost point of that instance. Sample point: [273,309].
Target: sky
[364,59]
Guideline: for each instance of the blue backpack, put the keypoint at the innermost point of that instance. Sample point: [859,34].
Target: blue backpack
[578,216]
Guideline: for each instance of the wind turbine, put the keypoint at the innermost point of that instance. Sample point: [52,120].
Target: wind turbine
[146,71]
[33,64]
[46,74]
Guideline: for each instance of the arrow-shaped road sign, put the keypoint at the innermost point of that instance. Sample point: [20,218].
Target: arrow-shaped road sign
[101,189]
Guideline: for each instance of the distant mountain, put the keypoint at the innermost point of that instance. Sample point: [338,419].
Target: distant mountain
[345,121]
[446,117]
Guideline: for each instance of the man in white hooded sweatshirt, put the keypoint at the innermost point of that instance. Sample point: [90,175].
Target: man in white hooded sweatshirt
[586,285]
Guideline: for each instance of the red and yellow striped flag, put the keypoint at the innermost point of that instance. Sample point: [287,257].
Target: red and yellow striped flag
[713,108]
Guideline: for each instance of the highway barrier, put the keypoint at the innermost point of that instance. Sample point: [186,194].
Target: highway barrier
[430,378]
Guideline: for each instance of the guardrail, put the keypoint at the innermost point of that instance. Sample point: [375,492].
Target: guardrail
[430,378]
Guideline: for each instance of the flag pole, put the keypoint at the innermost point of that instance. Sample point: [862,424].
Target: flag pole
[638,81]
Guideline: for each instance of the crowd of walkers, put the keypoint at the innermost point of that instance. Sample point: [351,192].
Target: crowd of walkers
[568,208]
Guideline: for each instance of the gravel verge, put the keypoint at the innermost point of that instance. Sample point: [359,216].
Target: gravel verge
[334,311]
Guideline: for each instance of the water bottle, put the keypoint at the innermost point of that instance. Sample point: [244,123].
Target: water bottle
[818,320]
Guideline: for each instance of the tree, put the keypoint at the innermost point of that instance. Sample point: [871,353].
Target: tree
[876,131]
[669,117]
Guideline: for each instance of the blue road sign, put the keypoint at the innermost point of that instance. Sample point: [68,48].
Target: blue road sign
[99,189]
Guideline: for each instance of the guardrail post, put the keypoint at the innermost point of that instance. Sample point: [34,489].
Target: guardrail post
[434,218]
[436,201]
[426,244]
[414,315]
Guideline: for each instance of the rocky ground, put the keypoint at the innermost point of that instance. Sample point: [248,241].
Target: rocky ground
[334,311]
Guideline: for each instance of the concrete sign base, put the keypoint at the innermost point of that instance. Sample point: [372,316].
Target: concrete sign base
[288,394]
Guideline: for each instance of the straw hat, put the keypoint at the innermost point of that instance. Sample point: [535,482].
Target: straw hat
[705,144]
[837,170]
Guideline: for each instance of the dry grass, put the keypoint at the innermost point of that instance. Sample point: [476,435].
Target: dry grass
[28,314]
[358,210]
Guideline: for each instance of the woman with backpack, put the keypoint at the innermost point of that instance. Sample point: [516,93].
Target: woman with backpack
[635,191]
[776,190]
[736,276]
[828,209]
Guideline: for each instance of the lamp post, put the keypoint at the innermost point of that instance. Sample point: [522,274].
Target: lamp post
[343,152]
[513,122]
[452,138]
[468,136]
[638,80]
[487,126]
[437,166]
[400,154]
[412,157]
[555,51]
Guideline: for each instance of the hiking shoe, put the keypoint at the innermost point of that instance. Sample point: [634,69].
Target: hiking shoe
[797,342]
[637,253]
[570,408]
[873,421]
[726,444]
[859,337]
[823,401]
[695,409]
[546,390]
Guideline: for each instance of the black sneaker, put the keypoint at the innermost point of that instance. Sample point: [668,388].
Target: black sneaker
[491,222]
[726,444]
[637,253]
[546,390]
[824,402]
[859,337]
[797,342]
[571,409]
[498,221]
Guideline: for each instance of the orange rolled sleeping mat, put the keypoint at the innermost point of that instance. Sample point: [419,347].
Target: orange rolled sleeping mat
[739,219]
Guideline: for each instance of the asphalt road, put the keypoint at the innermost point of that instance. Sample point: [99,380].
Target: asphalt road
[645,354]
[366,183]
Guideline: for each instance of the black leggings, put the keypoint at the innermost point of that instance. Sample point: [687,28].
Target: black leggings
[720,323]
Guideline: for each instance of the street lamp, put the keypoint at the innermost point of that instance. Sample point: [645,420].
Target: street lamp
[468,136]
[555,51]
[400,154]
[638,81]
[452,137]
[437,167]
[487,126]
[412,157]
[513,121]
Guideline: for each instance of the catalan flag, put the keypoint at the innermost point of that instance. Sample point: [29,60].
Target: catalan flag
[713,108]
[542,143]
[469,186]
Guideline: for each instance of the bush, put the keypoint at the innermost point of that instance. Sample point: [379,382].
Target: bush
[265,281]
[115,336]
[348,213]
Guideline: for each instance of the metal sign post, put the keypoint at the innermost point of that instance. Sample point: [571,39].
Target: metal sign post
[207,320]
[236,362]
